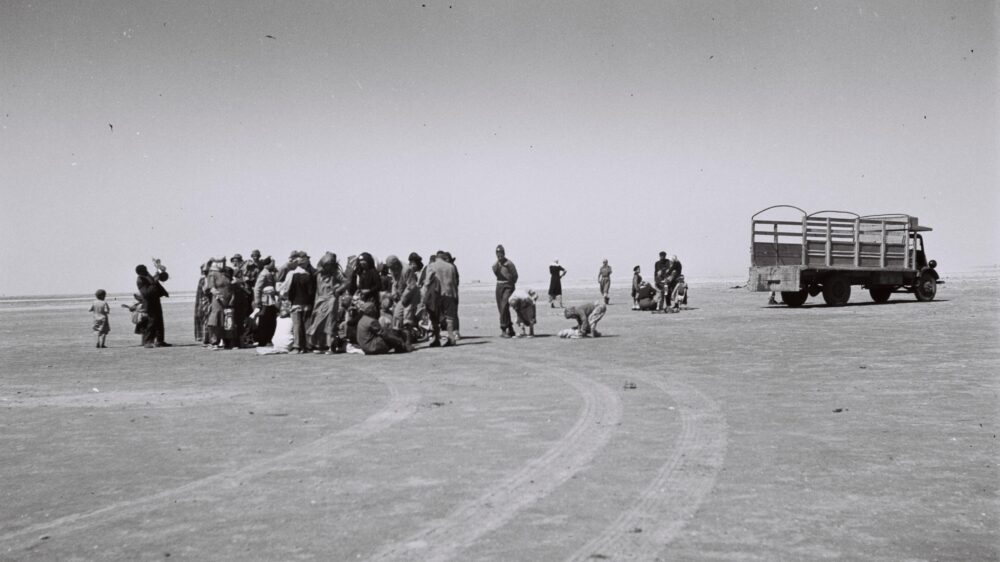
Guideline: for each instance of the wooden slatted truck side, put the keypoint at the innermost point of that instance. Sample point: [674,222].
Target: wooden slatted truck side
[829,251]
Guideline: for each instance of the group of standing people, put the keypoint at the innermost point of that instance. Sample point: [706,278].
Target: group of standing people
[360,307]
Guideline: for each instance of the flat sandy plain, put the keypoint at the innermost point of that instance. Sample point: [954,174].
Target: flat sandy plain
[865,432]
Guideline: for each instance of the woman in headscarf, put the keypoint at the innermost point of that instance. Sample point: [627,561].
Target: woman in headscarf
[202,306]
[219,284]
[265,302]
[322,330]
[365,281]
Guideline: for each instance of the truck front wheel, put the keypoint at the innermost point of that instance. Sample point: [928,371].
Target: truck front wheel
[794,298]
[926,287]
[880,294]
[837,290]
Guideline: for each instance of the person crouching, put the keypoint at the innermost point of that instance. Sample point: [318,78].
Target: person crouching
[587,316]
[523,304]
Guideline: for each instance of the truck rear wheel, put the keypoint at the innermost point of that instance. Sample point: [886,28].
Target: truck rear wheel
[794,298]
[926,287]
[880,294]
[837,290]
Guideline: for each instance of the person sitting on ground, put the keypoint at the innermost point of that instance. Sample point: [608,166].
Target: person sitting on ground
[523,304]
[587,316]
[385,311]
[373,339]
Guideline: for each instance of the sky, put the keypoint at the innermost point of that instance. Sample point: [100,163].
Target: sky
[576,130]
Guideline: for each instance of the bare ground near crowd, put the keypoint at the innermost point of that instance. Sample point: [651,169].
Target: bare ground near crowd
[731,431]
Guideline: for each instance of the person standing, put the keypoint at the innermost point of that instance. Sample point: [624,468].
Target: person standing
[329,285]
[604,281]
[506,274]
[673,274]
[102,313]
[662,263]
[265,302]
[152,291]
[444,274]
[301,293]
[636,283]
[556,273]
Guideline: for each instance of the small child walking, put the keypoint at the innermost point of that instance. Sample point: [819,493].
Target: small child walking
[102,322]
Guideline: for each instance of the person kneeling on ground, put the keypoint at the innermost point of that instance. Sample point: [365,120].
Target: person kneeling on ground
[373,339]
[645,297]
[587,316]
[283,336]
[523,304]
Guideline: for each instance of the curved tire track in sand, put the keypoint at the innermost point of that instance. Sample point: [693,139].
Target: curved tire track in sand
[444,538]
[681,484]
[400,406]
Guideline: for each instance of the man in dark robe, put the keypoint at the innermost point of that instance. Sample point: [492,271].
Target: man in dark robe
[152,291]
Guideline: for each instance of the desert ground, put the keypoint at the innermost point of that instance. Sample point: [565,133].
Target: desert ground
[730,431]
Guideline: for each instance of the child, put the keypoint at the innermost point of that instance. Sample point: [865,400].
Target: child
[282,339]
[102,322]
[139,315]
[636,283]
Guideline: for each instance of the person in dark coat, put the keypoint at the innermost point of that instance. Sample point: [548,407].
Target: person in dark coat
[662,263]
[152,291]
[301,294]
[556,273]
[506,275]
[364,280]
[373,339]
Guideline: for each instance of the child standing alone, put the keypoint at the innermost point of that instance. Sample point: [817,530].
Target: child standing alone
[102,323]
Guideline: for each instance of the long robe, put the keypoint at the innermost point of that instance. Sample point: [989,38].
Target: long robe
[326,308]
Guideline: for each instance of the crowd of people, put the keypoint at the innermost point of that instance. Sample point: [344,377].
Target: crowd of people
[363,306]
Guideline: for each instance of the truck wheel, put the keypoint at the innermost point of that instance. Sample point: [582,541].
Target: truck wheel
[837,290]
[926,287]
[880,294]
[794,299]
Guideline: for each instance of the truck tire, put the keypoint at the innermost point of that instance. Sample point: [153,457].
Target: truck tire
[837,290]
[881,293]
[926,287]
[794,299]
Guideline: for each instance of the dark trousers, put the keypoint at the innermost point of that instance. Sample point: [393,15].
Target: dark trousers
[153,333]
[503,306]
[395,339]
[266,323]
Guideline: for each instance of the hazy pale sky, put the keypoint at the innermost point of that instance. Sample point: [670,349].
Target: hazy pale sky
[577,130]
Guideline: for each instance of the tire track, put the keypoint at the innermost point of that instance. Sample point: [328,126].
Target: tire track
[666,505]
[400,406]
[445,538]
